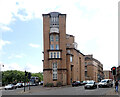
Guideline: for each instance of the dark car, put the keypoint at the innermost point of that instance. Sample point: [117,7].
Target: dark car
[84,82]
[90,85]
[76,83]
[19,85]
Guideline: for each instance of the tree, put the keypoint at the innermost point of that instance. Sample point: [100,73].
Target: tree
[11,76]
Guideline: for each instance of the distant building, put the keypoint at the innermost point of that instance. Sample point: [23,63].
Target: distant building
[118,72]
[108,74]
[62,61]
[93,69]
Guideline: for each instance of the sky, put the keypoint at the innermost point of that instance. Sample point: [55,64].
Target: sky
[94,23]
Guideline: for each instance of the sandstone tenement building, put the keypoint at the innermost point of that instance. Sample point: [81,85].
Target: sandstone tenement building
[93,69]
[108,74]
[63,62]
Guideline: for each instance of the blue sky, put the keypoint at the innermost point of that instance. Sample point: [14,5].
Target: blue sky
[26,43]
[92,22]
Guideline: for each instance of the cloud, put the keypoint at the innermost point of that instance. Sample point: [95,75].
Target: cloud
[28,67]
[33,67]
[12,66]
[16,56]
[3,43]
[5,28]
[34,45]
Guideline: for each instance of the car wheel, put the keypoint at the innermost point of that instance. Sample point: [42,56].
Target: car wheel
[111,85]
[5,89]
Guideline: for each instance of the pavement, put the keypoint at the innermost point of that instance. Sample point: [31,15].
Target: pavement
[1,88]
[112,92]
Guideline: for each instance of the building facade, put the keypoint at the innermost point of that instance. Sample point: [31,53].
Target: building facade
[108,74]
[75,61]
[62,61]
[100,71]
[93,69]
[118,72]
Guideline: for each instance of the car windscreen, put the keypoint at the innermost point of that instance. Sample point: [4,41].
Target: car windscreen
[90,82]
[18,83]
[104,81]
[74,81]
[9,84]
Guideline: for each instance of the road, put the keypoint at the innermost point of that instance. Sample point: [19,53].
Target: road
[66,90]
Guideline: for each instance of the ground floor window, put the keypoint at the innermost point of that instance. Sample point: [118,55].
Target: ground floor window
[55,71]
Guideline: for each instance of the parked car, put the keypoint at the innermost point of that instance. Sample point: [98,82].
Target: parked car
[76,83]
[10,86]
[90,85]
[19,85]
[105,83]
[41,83]
[84,82]
[26,84]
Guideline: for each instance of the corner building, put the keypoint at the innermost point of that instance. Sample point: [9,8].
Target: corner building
[62,61]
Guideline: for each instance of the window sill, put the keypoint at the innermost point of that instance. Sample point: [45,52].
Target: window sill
[54,50]
[54,58]
[54,79]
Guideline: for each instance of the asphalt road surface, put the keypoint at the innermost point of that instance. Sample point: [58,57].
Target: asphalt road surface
[66,90]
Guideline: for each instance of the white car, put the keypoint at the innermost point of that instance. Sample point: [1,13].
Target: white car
[10,86]
[19,85]
[105,83]
[90,84]
[26,84]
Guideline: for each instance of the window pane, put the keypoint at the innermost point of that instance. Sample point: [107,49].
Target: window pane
[85,73]
[58,55]
[57,38]
[52,19]
[52,47]
[51,54]
[54,54]
[55,65]
[70,58]
[68,51]
[51,38]
[55,70]
[55,76]
[57,47]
